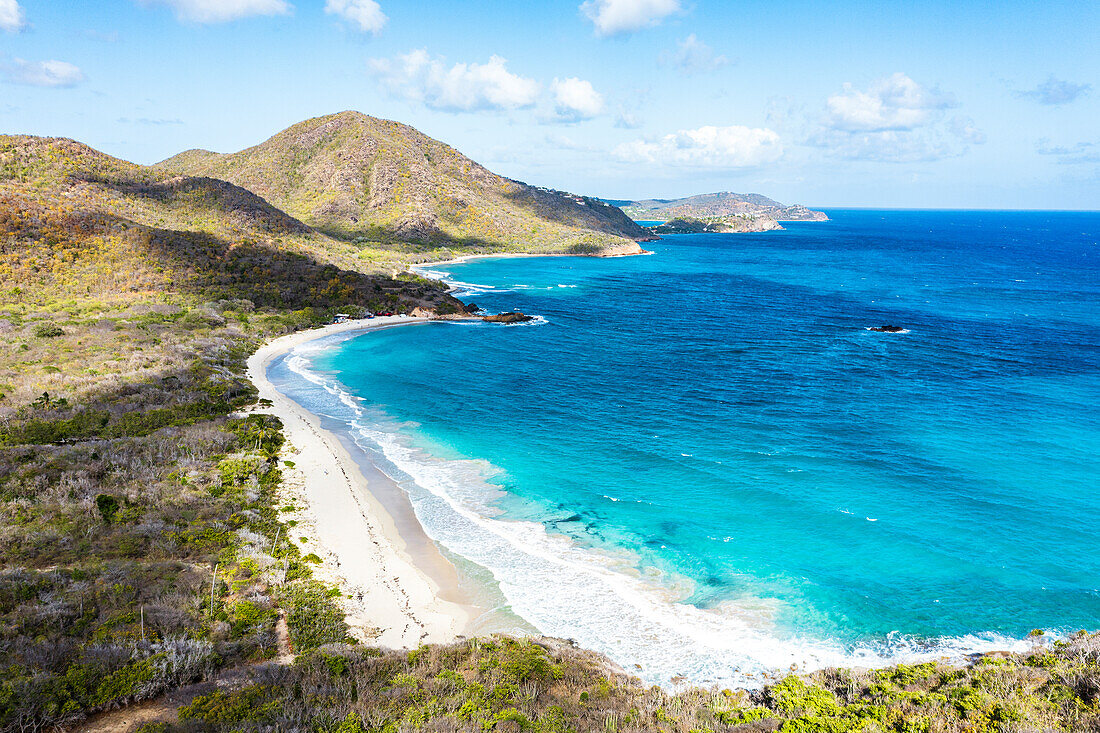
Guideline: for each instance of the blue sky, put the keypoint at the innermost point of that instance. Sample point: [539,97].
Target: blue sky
[906,104]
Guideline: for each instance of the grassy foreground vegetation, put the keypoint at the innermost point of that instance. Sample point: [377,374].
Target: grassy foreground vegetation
[504,684]
[141,547]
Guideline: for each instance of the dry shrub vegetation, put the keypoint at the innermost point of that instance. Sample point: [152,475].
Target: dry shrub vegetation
[387,188]
[140,544]
[546,685]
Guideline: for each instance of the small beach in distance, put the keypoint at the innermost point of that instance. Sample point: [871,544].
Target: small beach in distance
[753,479]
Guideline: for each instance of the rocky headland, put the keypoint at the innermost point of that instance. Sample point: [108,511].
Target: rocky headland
[717,225]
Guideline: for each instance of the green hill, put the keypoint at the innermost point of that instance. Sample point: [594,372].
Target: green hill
[79,224]
[86,238]
[375,182]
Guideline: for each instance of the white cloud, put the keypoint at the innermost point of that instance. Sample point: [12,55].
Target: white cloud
[707,147]
[627,120]
[220,11]
[1055,91]
[11,16]
[895,102]
[895,119]
[104,37]
[458,88]
[693,55]
[612,17]
[889,146]
[44,73]
[154,121]
[561,142]
[1082,152]
[965,129]
[366,14]
[575,99]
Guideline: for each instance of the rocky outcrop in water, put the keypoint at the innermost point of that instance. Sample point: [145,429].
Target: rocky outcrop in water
[513,317]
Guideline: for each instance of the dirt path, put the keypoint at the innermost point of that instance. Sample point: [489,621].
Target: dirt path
[282,640]
[164,709]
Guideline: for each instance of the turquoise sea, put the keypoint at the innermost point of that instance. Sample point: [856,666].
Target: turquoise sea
[703,463]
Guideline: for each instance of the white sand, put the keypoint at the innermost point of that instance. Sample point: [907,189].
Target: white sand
[516,255]
[394,600]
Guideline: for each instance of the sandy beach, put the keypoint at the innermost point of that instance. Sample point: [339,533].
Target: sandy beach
[419,266]
[403,592]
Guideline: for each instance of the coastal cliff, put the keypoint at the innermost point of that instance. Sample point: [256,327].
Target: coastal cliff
[798,212]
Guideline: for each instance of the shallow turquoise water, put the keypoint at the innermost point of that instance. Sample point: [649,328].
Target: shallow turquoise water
[727,448]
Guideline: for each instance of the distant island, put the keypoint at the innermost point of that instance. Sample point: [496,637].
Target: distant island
[722,203]
[716,225]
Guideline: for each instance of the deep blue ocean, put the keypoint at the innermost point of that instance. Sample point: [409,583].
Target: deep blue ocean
[702,461]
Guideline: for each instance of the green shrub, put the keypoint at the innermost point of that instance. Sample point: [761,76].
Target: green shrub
[246,616]
[514,716]
[520,661]
[125,683]
[794,697]
[48,331]
[237,471]
[108,506]
[45,431]
[313,617]
[352,723]
[253,704]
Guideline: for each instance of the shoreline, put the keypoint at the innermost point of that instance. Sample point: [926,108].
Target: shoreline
[398,589]
[503,255]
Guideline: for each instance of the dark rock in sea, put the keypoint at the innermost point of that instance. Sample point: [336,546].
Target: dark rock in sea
[887,329]
[514,317]
[472,308]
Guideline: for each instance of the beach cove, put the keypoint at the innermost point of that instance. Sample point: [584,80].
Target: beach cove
[397,582]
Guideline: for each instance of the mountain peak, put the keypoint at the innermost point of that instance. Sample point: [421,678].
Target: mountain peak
[365,179]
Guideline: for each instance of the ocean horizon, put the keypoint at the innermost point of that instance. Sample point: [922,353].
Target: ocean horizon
[705,464]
